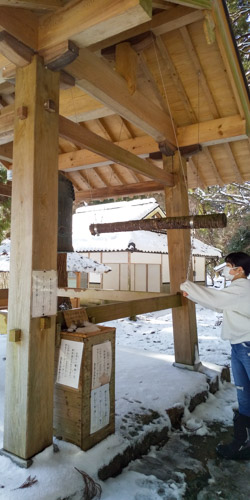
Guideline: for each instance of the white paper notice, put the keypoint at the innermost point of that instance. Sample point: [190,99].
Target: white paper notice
[101,364]
[69,363]
[100,408]
[44,293]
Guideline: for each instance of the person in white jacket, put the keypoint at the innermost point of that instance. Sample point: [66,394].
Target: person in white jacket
[234,302]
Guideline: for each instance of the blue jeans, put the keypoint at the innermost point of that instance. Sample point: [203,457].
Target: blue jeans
[241,373]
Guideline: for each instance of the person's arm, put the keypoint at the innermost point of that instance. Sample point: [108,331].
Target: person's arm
[211,298]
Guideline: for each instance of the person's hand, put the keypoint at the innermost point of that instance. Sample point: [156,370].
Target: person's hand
[185,294]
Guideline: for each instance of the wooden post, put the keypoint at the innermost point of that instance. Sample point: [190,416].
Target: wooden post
[179,248]
[30,362]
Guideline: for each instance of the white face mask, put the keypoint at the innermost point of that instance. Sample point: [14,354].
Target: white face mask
[226,271]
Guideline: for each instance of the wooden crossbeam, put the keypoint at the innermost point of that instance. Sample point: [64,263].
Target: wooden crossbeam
[111,89]
[14,50]
[6,124]
[33,4]
[5,189]
[20,23]
[97,295]
[119,191]
[83,158]
[109,312]
[4,293]
[163,22]
[211,132]
[87,139]
[221,130]
[6,151]
[55,57]
[92,21]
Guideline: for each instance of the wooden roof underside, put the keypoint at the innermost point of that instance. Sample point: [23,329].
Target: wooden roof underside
[177,82]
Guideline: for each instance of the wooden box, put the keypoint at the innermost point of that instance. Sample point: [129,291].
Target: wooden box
[75,409]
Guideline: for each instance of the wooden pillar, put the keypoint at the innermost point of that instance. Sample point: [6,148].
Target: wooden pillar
[179,249]
[28,424]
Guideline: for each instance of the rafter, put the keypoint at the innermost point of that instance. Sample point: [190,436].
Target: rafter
[231,61]
[213,166]
[84,138]
[176,79]
[196,175]
[111,89]
[153,83]
[233,163]
[200,177]
[198,68]
[90,22]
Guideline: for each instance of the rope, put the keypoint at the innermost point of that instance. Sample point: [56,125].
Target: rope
[189,267]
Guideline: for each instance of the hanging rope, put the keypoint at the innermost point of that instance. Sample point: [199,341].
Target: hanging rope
[189,265]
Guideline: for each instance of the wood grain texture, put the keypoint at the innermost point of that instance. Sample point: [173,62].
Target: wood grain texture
[29,373]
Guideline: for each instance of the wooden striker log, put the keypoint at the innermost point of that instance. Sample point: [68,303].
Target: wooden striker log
[184,222]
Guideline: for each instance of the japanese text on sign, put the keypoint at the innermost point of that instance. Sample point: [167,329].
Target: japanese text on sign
[100,408]
[44,293]
[69,363]
[101,364]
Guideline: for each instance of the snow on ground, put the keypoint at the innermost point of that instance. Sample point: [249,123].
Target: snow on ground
[145,381]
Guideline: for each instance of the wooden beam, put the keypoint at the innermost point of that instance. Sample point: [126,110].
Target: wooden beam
[154,84]
[119,191]
[233,164]
[211,132]
[83,158]
[161,23]
[33,4]
[55,57]
[199,71]
[5,189]
[180,222]
[231,61]
[6,124]
[111,89]
[213,167]
[179,254]
[126,61]
[28,427]
[85,138]
[92,21]
[15,51]
[6,151]
[195,4]
[97,295]
[109,312]
[20,23]
[4,292]
[199,181]
[175,77]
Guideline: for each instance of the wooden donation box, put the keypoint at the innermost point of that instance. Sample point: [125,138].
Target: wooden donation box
[84,397]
